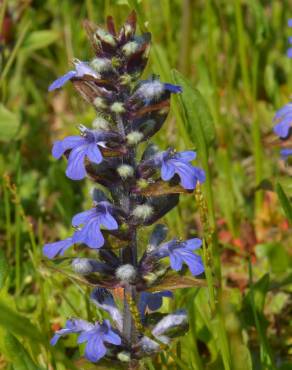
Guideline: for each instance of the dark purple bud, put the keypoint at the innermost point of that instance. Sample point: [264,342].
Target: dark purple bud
[161,206]
[158,235]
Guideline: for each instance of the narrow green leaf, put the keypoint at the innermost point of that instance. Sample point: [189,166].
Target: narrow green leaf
[260,290]
[9,124]
[286,205]
[199,122]
[39,40]
[20,358]
[18,324]
[3,268]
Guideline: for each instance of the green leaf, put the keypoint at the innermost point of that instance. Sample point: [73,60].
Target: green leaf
[286,205]
[199,122]
[260,289]
[9,124]
[39,40]
[3,268]
[276,254]
[20,358]
[18,324]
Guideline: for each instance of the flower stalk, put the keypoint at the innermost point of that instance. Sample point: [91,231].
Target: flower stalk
[129,112]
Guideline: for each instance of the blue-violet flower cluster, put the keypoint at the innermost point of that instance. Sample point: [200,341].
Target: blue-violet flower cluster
[129,112]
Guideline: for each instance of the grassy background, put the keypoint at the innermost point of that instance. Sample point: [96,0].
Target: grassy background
[234,53]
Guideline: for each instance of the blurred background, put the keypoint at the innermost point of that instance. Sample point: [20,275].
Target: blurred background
[234,53]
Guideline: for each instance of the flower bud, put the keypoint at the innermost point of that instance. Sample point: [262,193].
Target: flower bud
[134,137]
[117,108]
[101,124]
[142,212]
[105,37]
[125,171]
[99,103]
[130,48]
[86,266]
[124,356]
[101,65]
[126,273]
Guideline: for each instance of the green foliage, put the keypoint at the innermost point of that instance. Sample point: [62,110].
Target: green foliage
[18,355]
[9,124]
[230,61]
[199,122]
[285,202]
[3,268]
[19,324]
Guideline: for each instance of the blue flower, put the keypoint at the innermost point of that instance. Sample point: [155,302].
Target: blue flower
[96,335]
[81,147]
[72,326]
[51,250]
[285,153]
[89,233]
[182,252]
[178,163]
[92,220]
[151,301]
[284,119]
[81,69]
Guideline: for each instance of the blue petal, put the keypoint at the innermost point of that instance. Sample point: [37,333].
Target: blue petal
[200,174]
[193,244]
[283,111]
[79,325]
[175,261]
[286,153]
[112,337]
[108,221]
[93,153]
[85,336]
[173,88]
[289,53]
[53,249]
[76,169]
[283,127]
[90,235]
[162,251]
[72,326]
[82,68]
[186,156]
[167,171]
[95,349]
[195,264]
[60,146]
[55,339]
[58,149]
[186,173]
[71,142]
[82,217]
[290,22]
[62,80]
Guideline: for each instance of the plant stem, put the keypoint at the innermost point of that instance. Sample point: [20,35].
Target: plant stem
[14,52]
